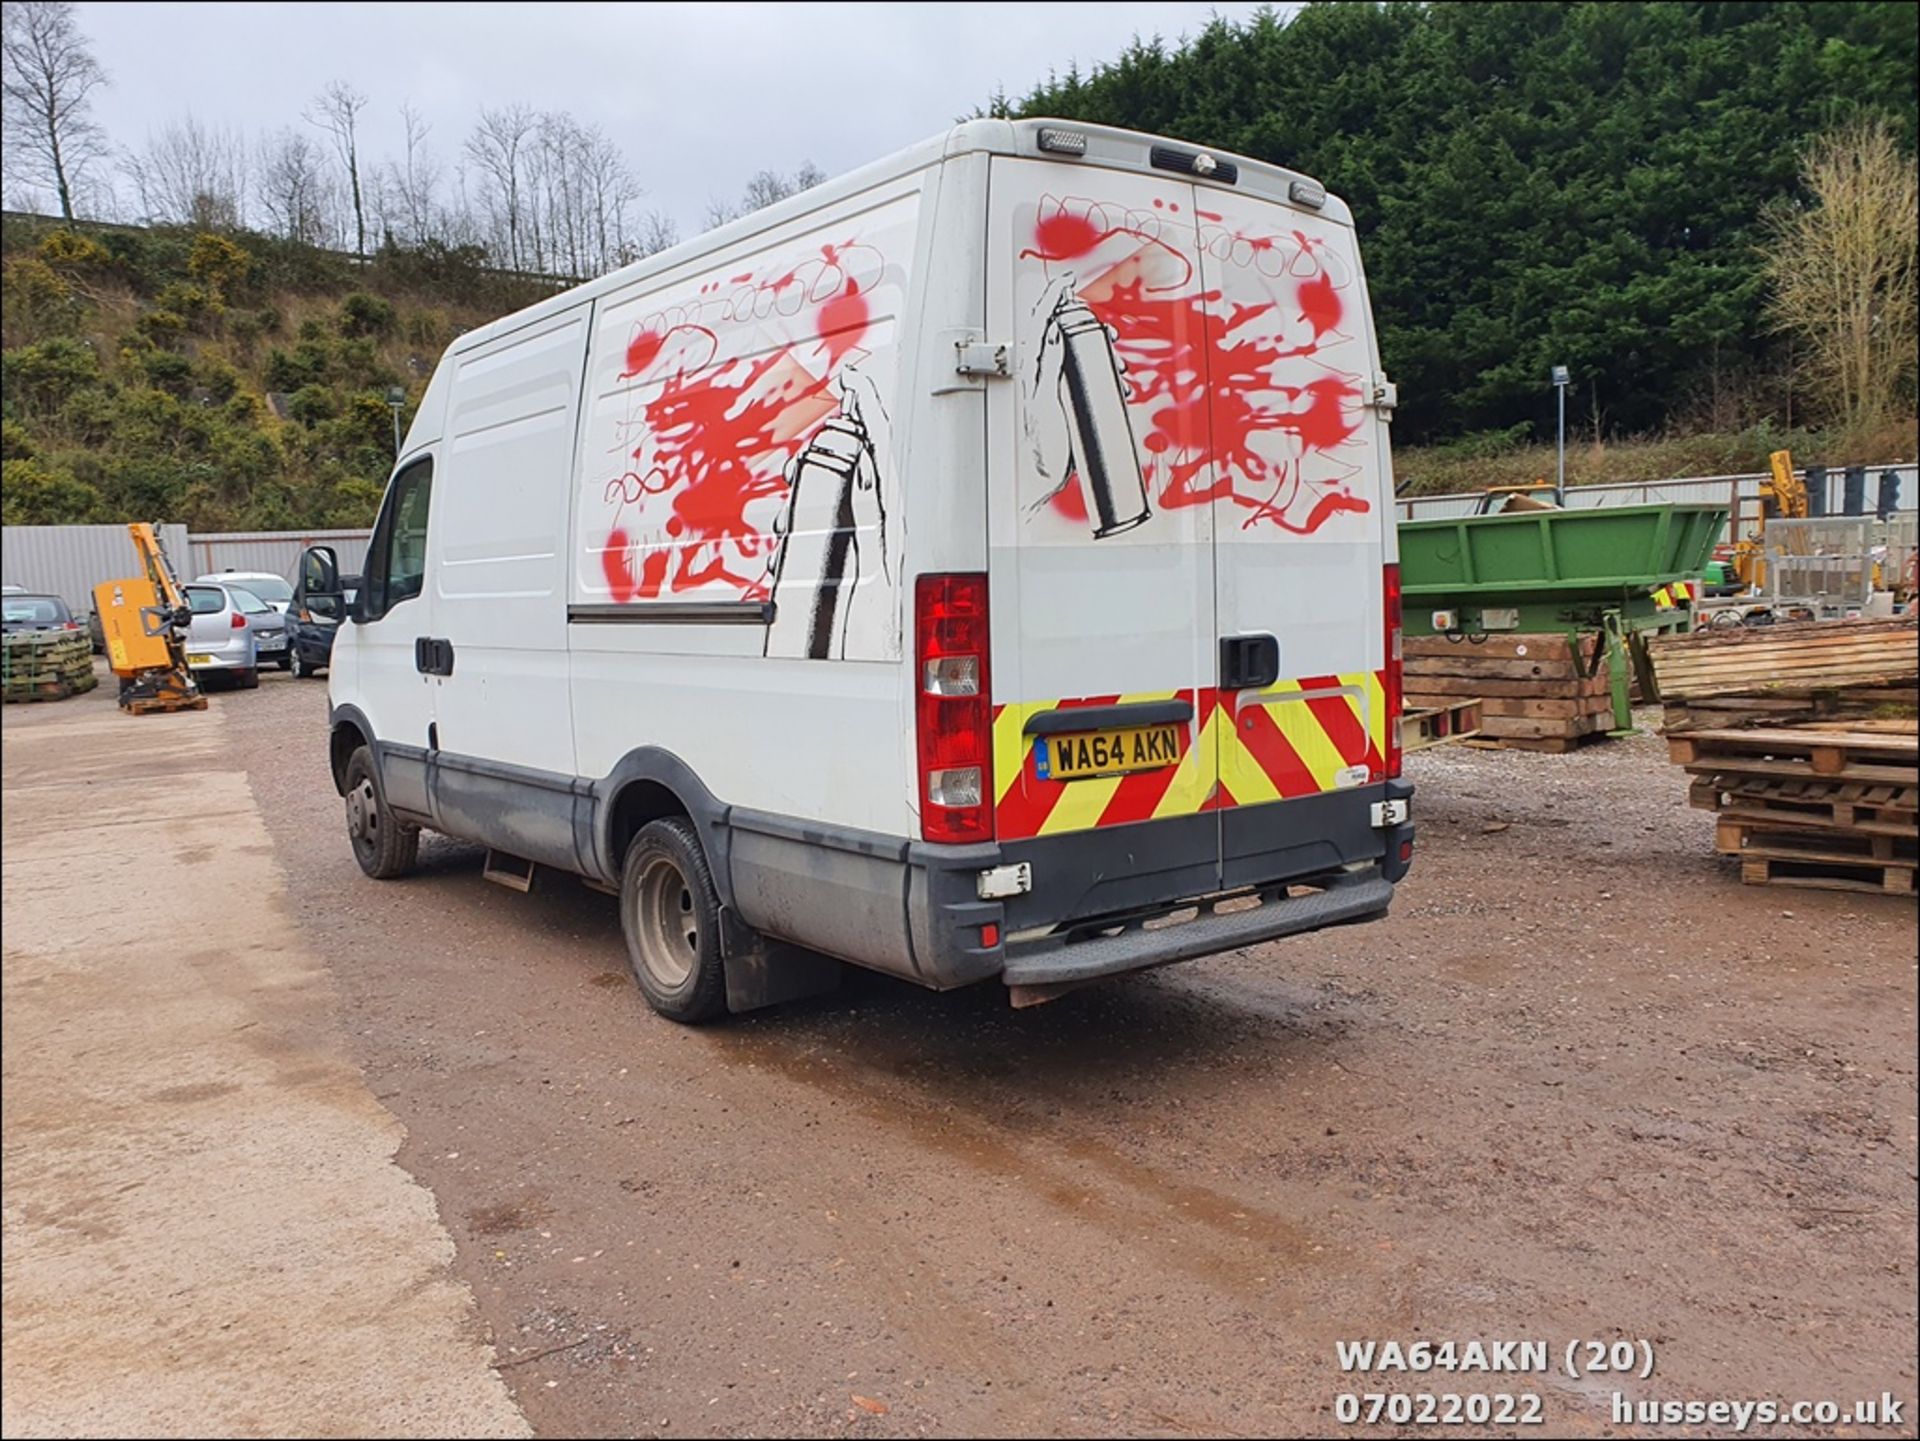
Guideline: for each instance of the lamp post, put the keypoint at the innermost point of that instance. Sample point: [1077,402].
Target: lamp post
[396,399]
[1560,381]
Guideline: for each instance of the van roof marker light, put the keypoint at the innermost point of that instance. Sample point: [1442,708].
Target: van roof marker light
[1310,193]
[1062,142]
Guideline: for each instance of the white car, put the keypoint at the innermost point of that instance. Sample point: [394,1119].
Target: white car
[979,568]
[272,589]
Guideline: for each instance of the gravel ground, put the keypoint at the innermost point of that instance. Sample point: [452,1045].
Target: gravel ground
[1582,1084]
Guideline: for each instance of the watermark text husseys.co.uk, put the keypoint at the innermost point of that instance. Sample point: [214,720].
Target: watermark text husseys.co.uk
[1881,1410]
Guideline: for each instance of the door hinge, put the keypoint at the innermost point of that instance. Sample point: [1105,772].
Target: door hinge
[982,357]
[1385,396]
[1003,881]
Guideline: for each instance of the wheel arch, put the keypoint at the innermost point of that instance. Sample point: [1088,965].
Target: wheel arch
[649,784]
[350,729]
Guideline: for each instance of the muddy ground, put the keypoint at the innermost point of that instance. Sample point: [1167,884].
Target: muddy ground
[1581,1084]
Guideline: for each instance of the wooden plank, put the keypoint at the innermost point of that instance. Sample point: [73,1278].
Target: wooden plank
[1495,668]
[1533,646]
[1835,818]
[1864,744]
[1478,686]
[1564,728]
[1730,765]
[1874,880]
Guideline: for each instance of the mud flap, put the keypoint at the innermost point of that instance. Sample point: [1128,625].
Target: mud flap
[762,972]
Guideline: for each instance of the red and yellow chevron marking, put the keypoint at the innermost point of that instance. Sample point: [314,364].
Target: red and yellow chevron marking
[1298,737]
[1675,593]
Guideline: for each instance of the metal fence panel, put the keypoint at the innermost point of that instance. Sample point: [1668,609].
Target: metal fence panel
[275,552]
[70,560]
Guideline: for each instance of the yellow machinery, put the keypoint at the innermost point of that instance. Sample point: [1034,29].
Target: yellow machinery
[1782,494]
[145,621]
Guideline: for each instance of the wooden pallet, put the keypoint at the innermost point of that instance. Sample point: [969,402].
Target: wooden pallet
[1787,659]
[1533,688]
[1893,755]
[1830,860]
[1845,805]
[1433,725]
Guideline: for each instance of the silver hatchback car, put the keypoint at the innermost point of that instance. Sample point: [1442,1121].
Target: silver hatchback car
[228,626]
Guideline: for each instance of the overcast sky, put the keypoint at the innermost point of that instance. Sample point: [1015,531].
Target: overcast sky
[702,96]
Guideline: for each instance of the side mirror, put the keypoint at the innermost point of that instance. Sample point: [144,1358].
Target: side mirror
[319,571]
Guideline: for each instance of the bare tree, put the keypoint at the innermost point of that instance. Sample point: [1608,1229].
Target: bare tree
[414,177]
[191,174]
[47,75]
[652,233]
[767,187]
[1843,270]
[496,148]
[336,110]
[293,187]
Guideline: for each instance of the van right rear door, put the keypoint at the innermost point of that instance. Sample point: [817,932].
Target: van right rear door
[1104,635]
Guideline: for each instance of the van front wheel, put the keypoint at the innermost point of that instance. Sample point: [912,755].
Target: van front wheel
[384,846]
[670,915]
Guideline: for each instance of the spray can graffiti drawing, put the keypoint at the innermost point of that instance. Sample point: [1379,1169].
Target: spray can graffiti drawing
[1101,435]
[817,535]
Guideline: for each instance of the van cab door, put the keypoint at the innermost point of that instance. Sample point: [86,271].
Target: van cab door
[1104,635]
[384,655]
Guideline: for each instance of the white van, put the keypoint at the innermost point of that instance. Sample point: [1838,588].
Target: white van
[980,566]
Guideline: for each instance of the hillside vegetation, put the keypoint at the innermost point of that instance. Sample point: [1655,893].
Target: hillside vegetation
[229,381]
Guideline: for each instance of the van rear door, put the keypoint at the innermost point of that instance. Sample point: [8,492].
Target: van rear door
[1299,538]
[1101,535]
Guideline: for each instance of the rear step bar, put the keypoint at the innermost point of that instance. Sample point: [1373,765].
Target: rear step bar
[1360,898]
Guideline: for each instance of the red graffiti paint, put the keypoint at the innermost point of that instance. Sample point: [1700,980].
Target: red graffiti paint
[1216,379]
[1065,236]
[618,566]
[843,321]
[641,351]
[1320,304]
[1069,501]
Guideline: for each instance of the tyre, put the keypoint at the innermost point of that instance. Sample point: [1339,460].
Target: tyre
[285,662]
[670,915]
[385,847]
[248,679]
[301,670]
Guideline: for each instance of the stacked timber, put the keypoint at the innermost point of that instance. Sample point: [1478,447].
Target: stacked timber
[1803,739]
[1536,692]
[45,665]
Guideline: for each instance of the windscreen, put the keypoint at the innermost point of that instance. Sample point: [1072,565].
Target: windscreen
[205,600]
[248,601]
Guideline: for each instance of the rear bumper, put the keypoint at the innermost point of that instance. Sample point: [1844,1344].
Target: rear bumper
[234,655]
[1101,903]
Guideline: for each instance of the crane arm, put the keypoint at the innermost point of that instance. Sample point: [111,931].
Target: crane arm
[153,559]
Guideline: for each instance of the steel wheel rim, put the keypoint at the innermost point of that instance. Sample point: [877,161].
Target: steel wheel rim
[669,923]
[363,817]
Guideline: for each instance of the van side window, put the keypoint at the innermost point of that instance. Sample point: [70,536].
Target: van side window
[397,555]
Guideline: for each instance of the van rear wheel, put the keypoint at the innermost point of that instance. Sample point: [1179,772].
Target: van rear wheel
[670,914]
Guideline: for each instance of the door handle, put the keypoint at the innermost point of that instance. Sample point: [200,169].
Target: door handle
[432,657]
[1248,662]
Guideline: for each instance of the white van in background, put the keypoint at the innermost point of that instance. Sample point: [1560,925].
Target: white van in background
[977,567]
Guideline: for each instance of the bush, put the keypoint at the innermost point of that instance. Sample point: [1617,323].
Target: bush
[15,443]
[427,329]
[70,250]
[218,263]
[35,494]
[167,371]
[311,404]
[36,304]
[307,365]
[37,379]
[199,309]
[220,380]
[364,315]
[163,327]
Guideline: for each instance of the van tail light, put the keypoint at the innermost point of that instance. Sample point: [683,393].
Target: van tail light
[239,621]
[1390,587]
[953,708]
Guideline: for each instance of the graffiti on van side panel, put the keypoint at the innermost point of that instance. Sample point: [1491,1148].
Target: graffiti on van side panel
[1236,390]
[821,608]
[1077,408]
[753,453]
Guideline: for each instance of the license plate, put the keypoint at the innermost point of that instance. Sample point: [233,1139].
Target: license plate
[1105,753]
[199,660]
